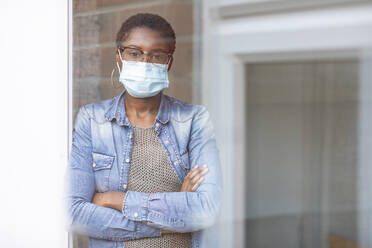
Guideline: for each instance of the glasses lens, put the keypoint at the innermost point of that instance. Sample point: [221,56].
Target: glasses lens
[132,54]
[159,57]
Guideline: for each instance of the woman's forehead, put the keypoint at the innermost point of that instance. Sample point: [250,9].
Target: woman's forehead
[147,39]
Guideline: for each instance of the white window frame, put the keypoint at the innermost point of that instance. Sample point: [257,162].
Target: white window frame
[231,43]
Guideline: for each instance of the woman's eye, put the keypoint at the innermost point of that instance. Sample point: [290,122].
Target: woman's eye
[134,54]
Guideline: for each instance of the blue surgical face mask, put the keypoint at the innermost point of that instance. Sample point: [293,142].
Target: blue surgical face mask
[142,79]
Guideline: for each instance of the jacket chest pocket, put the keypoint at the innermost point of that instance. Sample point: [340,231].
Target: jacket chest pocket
[102,165]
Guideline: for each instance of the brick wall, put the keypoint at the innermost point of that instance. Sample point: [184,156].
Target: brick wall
[95,24]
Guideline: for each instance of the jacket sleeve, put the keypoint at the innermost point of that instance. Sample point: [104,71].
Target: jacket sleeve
[84,217]
[184,211]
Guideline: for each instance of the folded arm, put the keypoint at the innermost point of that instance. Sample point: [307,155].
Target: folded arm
[184,211]
[84,217]
[115,199]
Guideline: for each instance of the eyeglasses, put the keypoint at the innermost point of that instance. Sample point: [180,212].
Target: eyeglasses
[135,54]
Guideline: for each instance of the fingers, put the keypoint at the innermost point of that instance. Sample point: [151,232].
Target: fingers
[194,178]
[200,173]
[193,172]
[196,185]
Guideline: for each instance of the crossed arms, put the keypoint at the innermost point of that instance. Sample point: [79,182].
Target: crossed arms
[134,215]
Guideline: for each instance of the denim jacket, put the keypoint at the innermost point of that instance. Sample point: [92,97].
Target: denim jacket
[100,155]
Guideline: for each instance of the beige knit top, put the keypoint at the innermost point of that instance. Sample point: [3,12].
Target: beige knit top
[150,172]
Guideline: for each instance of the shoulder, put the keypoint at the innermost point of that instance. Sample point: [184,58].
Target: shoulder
[98,110]
[184,111]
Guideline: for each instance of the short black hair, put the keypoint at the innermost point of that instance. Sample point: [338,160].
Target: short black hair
[148,20]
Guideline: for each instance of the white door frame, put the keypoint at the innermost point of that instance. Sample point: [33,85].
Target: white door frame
[229,44]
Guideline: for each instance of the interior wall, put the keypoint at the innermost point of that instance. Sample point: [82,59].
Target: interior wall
[301,121]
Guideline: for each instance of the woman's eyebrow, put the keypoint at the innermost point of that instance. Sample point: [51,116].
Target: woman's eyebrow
[153,50]
[134,46]
[159,50]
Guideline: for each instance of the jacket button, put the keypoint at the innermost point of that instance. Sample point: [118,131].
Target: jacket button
[127,160]
[124,186]
[166,142]
[176,163]
[94,165]
[135,214]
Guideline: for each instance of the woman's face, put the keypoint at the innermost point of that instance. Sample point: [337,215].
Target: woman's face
[147,40]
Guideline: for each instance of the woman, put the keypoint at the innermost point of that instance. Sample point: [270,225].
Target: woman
[144,168]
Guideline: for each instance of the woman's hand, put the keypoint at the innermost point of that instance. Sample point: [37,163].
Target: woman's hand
[191,183]
[100,199]
[194,178]
[109,199]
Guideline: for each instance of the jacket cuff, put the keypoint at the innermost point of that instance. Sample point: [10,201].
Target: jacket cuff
[135,206]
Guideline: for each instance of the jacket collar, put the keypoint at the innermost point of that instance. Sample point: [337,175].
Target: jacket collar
[116,110]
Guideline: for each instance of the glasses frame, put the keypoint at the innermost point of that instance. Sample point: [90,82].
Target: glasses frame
[122,48]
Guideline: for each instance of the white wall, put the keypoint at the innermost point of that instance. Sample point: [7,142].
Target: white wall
[34,121]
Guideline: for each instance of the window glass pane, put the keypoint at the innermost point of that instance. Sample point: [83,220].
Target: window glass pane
[287,89]
[95,73]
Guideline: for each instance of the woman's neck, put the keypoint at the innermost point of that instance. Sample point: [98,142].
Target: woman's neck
[141,106]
